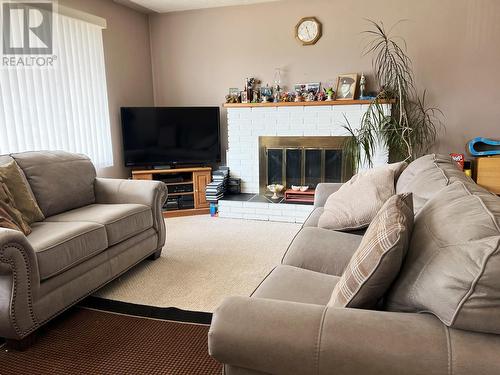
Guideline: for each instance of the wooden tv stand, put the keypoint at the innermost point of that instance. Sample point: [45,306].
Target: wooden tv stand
[197,178]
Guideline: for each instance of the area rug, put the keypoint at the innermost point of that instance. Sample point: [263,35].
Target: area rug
[85,341]
[204,260]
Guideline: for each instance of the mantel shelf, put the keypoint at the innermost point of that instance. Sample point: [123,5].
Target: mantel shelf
[305,104]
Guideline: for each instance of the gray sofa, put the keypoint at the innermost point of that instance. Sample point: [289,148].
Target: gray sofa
[440,317]
[95,229]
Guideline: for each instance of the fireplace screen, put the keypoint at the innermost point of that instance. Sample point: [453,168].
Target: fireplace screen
[302,161]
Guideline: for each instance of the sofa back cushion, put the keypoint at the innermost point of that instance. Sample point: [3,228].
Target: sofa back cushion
[378,259]
[60,180]
[426,176]
[452,268]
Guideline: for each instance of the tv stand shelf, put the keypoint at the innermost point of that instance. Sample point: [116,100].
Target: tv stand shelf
[199,178]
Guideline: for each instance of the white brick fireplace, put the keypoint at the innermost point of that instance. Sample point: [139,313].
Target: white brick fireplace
[247,123]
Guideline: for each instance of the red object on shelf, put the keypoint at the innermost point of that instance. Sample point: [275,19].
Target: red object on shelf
[300,196]
[460,159]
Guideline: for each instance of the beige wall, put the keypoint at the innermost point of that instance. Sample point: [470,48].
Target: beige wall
[454,44]
[128,66]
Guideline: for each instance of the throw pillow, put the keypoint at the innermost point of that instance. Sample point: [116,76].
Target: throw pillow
[378,259]
[357,201]
[453,263]
[24,200]
[10,216]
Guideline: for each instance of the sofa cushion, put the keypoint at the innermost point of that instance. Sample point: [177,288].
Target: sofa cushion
[453,264]
[378,259]
[357,202]
[294,284]
[61,246]
[60,181]
[313,218]
[426,176]
[25,201]
[322,250]
[121,221]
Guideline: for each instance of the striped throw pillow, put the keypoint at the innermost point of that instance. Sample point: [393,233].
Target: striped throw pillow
[378,259]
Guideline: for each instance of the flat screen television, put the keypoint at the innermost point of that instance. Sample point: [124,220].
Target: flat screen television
[154,136]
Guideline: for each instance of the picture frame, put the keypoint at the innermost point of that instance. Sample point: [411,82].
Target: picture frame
[307,88]
[244,97]
[347,86]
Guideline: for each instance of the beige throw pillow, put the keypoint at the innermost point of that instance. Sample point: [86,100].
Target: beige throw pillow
[357,201]
[24,200]
[378,259]
[10,216]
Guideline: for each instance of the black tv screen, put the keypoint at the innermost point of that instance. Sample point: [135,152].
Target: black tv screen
[170,135]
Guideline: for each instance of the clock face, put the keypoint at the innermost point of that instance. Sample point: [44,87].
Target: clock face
[308,30]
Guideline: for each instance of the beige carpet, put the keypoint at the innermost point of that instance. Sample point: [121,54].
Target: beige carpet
[204,260]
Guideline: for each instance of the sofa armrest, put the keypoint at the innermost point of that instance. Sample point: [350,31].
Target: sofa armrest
[271,336]
[323,191]
[279,337]
[149,193]
[19,280]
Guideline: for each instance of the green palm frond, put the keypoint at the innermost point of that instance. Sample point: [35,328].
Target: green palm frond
[412,127]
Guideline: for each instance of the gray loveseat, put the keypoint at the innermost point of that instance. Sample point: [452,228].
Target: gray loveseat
[440,317]
[95,229]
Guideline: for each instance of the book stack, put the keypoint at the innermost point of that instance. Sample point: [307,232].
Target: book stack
[216,189]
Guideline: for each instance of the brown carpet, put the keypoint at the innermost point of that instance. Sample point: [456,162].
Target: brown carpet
[85,341]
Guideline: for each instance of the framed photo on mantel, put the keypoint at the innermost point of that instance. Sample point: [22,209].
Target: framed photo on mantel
[346,86]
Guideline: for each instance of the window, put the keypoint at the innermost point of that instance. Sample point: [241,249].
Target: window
[64,107]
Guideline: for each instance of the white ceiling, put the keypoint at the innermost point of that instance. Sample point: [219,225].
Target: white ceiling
[165,6]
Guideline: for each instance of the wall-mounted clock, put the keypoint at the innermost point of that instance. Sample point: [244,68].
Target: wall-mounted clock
[308,30]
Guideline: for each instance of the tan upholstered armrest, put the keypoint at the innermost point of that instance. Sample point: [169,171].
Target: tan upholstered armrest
[266,335]
[278,337]
[149,193]
[19,279]
[323,191]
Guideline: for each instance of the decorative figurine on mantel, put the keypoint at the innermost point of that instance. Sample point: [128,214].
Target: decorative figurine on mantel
[298,94]
[250,86]
[255,96]
[329,94]
[362,86]
[277,85]
[287,97]
[265,94]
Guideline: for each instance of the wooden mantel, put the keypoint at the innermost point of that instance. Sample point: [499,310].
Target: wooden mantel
[304,104]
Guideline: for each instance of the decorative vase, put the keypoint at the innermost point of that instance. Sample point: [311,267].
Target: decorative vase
[275,189]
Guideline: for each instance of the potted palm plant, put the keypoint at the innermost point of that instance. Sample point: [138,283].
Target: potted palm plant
[412,127]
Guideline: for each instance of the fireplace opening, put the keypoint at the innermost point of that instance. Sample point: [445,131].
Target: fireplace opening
[305,161]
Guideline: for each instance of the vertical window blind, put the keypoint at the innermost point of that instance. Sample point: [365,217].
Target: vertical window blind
[64,107]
